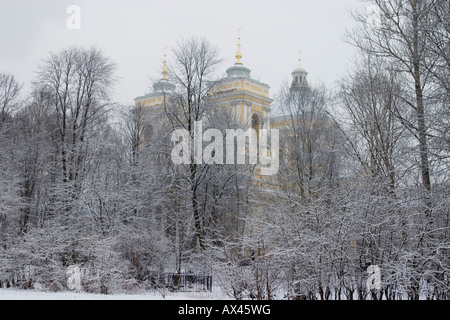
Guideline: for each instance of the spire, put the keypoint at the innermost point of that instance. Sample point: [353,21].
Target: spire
[238,70]
[165,72]
[239,53]
[164,85]
[300,58]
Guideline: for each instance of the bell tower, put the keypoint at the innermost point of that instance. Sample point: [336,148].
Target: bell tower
[246,99]
[299,78]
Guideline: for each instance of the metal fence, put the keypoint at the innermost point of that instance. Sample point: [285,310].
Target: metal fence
[188,282]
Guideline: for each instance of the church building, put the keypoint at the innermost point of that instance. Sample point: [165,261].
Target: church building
[246,100]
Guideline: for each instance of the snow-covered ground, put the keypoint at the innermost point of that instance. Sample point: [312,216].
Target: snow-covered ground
[17,294]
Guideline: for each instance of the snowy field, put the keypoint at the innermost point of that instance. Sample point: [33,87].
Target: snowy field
[17,294]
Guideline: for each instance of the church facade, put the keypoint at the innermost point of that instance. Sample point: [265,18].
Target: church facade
[246,100]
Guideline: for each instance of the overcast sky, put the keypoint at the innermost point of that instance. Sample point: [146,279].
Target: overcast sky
[134,33]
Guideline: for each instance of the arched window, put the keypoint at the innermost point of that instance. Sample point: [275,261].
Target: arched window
[296,78]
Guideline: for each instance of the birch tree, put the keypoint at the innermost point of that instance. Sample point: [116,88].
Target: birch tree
[79,82]
[9,95]
[193,71]
[409,39]
[402,39]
